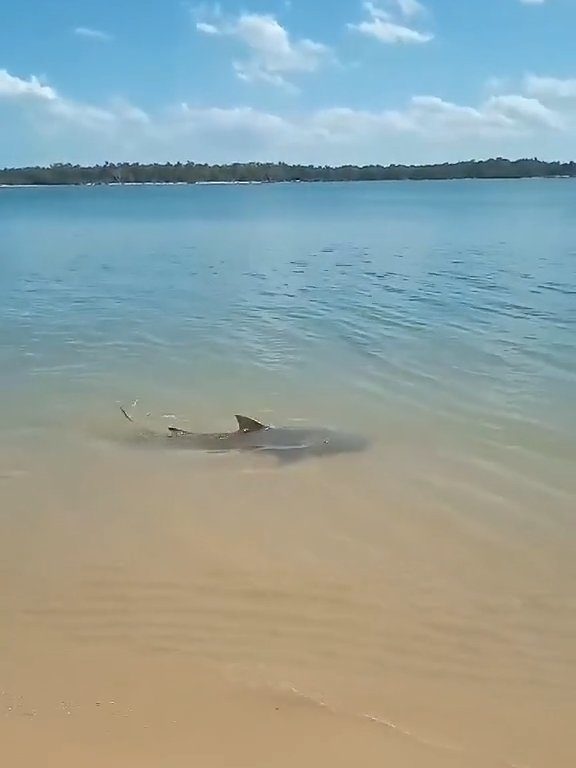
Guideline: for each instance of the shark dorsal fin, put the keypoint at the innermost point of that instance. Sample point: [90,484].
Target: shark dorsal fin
[246,424]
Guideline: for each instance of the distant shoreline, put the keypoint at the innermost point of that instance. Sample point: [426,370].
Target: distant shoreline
[139,184]
[258,183]
[155,174]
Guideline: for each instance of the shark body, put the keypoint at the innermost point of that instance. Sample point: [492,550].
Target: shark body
[284,443]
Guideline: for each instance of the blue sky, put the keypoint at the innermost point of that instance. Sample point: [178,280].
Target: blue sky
[322,81]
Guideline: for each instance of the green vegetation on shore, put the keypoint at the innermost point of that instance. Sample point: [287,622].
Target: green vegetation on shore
[190,173]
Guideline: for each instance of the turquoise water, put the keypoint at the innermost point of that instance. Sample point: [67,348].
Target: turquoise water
[408,311]
[427,582]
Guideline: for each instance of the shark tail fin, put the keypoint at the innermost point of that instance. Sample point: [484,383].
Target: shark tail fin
[246,424]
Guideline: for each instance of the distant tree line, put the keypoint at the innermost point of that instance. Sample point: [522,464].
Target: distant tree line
[191,173]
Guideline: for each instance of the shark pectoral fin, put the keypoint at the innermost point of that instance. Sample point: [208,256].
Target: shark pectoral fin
[246,424]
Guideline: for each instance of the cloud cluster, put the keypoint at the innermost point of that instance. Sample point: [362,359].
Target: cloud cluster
[541,107]
[534,113]
[272,54]
[394,22]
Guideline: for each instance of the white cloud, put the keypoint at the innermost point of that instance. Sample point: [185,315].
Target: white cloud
[524,110]
[208,29]
[389,32]
[126,112]
[533,2]
[93,34]
[16,87]
[435,116]
[550,88]
[342,134]
[390,24]
[234,120]
[411,7]
[84,115]
[273,54]
[63,110]
[423,129]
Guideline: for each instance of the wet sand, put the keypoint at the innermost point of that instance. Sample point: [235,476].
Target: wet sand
[174,610]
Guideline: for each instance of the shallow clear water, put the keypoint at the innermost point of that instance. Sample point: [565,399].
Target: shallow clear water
[452,302]
[438,319]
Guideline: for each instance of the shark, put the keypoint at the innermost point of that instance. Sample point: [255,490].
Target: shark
[286,444]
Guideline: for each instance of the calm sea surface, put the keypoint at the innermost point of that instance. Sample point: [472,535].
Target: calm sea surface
[438,319]
[450,304]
